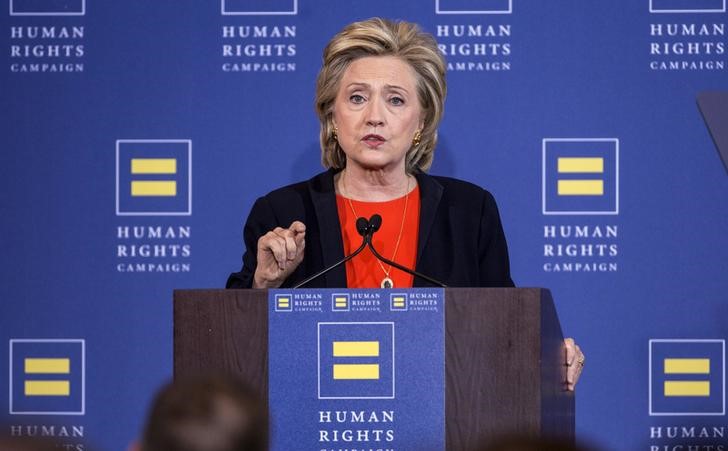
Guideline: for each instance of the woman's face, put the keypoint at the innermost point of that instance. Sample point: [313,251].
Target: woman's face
[377,112]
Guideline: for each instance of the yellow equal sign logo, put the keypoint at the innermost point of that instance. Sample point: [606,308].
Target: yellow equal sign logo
[35,366]
[341,302]
[153,166]
[356,371]
[399,301]
[683,388]
[580,187]
[284,302]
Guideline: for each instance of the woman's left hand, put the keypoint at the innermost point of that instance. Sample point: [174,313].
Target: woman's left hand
[574,363]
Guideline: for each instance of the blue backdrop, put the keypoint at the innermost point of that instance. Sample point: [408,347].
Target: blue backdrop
[219,96]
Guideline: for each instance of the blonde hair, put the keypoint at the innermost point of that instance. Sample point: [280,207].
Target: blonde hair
[382,37]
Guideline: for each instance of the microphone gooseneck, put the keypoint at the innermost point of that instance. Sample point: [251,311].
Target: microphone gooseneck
[364,229]
[375,222]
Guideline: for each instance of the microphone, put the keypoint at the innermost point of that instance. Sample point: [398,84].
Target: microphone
[375,222]
[363,226]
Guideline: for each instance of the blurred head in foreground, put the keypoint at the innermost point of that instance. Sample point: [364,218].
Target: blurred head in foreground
[205,414]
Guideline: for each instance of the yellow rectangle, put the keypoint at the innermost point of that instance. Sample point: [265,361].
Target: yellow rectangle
[356,371]
[687,366]
[340,304]
[356,349]
[340,299]
[398,299]
[581,188]
[47,366]
[47,388]
[165,188]
[283,304]
[586,165]
[687,388]
[153,166]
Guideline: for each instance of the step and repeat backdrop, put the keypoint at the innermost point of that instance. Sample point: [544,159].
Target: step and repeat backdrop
[137,135]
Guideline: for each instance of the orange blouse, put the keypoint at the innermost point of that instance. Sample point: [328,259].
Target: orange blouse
[364,270]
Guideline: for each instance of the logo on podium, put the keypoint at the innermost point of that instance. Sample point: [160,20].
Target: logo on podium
[355,360]
[283,303]
[398,302]
[340,302]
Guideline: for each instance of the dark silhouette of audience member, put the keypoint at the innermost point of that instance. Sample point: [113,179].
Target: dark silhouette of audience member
[205,414]
[523,443]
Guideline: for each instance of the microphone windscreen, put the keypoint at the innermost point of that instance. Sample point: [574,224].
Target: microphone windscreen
[375,222]
[362,225]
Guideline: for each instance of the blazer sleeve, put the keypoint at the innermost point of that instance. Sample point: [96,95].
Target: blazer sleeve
[261,220]
[492,248]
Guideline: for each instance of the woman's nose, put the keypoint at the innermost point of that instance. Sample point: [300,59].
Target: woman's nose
[375,113]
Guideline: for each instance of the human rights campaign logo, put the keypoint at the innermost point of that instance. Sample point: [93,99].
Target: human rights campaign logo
[283,303]
[580,176]
[258,8]
[687,377]
[47,7]
[153,177]
[398,302]
[356,360]
[687,6]
[47,377]
[473,6]
[340,302]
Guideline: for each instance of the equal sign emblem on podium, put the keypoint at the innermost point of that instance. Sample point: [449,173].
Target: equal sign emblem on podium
[344,349]
[355,360]
[398,302]
[340,302]
[283,303]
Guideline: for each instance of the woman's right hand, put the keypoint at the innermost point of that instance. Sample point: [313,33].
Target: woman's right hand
[280,251]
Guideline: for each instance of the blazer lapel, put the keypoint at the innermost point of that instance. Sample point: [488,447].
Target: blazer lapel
[430,195]
[323,197]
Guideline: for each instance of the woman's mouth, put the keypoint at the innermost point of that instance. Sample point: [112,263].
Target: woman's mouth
[373,141]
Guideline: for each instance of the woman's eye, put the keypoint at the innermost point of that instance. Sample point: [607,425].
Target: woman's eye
[396,101]
[356,98]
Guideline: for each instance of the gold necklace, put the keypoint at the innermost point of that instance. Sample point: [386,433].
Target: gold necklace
[387,282]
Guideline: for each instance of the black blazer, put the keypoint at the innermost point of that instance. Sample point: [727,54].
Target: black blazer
[460,243]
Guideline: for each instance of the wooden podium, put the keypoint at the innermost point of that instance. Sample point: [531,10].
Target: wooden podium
[504,362]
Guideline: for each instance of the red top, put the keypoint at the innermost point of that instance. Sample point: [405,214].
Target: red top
[364,270]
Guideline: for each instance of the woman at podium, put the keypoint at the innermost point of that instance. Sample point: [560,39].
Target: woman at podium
[380,96]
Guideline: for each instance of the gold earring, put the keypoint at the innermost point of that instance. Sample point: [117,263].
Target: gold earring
[416,139]
[335,133]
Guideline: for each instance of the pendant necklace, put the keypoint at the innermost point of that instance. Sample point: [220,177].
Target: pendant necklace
[387,281]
